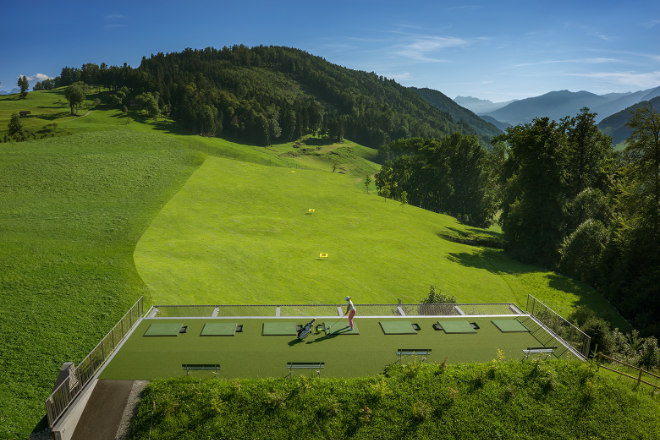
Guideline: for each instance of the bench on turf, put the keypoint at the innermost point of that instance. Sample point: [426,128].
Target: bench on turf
[204,367]
[424,352]
[318,366]
[539,350]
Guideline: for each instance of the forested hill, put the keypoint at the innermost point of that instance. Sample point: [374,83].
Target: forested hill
[446,104]
[264,95]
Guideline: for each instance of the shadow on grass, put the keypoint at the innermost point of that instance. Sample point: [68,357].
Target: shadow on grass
[334,334]
[493,234]
[492,261]
[318,141]
[53,116]
[590,299]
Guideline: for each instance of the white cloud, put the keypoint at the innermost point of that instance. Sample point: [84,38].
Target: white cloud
[114,21]
[36,77]
[422,48]
[644,80]
[572,61]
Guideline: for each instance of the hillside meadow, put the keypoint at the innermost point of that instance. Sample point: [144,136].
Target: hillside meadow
[496,400]
[114,207]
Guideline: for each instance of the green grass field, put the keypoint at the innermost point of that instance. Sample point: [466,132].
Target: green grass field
[241,233]
[74,210]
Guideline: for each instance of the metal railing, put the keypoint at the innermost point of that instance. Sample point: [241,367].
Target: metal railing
[576,339]
[71,386]
[317,310]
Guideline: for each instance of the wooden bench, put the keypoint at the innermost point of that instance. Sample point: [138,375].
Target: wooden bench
[318,366]
[425,352]
[204,367]
[539,350]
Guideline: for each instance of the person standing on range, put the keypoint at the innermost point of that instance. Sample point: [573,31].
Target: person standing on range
[350,311]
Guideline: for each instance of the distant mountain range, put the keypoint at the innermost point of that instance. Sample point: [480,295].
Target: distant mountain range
[479,106]
[555,105]
[14,90]
[615,125]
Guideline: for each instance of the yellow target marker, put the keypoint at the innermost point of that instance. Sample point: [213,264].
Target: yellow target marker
[323,255]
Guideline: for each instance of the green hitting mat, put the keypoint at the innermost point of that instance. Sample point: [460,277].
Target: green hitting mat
[166,329]
[509,325]
[219,329]
[397,327]
[287,328]
[456,326]
[340,328]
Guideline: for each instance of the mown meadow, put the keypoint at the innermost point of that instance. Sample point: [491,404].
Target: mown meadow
[204,220]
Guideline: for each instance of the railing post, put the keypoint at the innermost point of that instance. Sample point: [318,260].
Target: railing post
[639,379]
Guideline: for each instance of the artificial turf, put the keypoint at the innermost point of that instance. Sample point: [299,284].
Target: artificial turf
[456,326]
[250,354]
[279,328]
[164,329]
[219,329]
[509,325]
[397,327]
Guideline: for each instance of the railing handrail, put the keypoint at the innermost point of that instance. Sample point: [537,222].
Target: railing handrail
[333,305]
[557,314]
[54,407]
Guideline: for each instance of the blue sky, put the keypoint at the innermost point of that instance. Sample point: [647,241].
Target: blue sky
[492,50]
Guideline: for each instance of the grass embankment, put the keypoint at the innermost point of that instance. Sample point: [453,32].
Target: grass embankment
[71,210]
[509,400]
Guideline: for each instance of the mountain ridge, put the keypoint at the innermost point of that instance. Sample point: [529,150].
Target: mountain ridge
[615,125]
[560,103]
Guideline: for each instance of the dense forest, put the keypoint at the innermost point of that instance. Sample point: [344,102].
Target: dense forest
[572,203]
[263,95]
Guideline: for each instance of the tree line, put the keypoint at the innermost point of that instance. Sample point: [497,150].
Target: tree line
[263,95]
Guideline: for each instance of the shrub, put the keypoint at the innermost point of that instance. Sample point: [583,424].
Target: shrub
[580,252]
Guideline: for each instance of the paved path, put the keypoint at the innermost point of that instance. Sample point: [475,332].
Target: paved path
[104,410]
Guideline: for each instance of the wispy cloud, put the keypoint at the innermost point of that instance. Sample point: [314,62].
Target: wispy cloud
[651,23]
[603,37]
[645,80]
[598,60]
[114,21]
[425,47]
[37,77]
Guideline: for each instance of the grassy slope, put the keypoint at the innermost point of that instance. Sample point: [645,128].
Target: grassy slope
[508,400]
[241,233]
[71,210]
